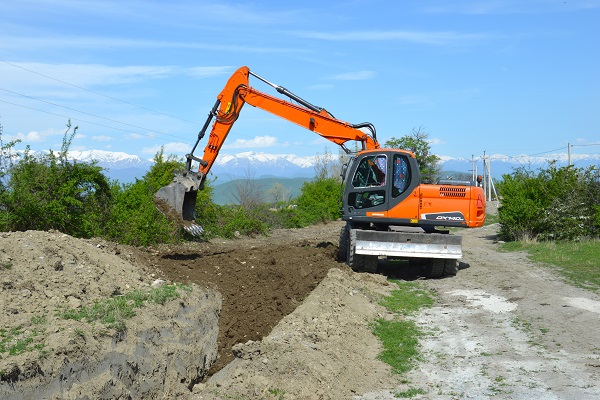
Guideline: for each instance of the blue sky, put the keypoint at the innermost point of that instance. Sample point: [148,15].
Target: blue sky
[503,76]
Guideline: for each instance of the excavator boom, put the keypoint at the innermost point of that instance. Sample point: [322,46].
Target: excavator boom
[178,199]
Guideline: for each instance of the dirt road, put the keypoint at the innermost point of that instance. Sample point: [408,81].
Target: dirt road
[508,329]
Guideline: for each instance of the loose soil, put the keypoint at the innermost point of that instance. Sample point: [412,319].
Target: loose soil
[296,324]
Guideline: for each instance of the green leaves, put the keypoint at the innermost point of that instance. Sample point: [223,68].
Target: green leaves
[552,204]
[48,192]
[417,143]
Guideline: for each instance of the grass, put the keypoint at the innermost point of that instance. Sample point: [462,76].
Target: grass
[400,337]
[17,340]
[408,299]
[115,311]
[491,219]
[579,262]
[409,394]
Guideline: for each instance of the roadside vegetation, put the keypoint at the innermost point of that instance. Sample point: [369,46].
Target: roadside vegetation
[399,336]
[554,214]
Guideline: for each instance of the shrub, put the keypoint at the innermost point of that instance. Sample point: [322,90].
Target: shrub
[556,203]
[134,219]
[231,219]
[51,192]
[318,202]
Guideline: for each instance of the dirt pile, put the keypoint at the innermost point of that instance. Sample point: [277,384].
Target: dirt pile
[165,348]
[325,349]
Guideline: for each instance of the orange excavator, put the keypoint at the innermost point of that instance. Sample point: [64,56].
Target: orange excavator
[388,211]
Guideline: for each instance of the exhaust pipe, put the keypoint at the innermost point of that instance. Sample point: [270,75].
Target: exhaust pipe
[177,202]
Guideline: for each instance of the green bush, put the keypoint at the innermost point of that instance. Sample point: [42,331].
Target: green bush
[51,192]
[553,204]
[229,219]
[134,219]
[318,202]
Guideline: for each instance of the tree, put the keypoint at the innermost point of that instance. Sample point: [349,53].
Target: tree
[417,143]
[280,193]
[7,158]
[327,166]
[550,204]
[248,193]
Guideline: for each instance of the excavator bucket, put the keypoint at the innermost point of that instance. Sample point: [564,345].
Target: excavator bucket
[177,202]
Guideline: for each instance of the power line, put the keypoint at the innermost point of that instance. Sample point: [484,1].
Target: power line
[546,152]
[86,113]
[98,93]
[82,120]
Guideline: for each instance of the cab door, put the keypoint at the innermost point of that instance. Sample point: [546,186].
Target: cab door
[368,185]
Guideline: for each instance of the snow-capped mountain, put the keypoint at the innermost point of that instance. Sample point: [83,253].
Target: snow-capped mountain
[108,159]
[500,164]
[126,167]
[261,165]
[118,165]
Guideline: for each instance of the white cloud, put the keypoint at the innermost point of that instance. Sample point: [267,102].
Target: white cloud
[176,148]
[36,136]
[437,38]
[134,136]
[355,76]
[256,142]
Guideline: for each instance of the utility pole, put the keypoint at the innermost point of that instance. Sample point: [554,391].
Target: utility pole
[569,152]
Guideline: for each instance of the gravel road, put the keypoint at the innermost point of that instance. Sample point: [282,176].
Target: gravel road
[506,328]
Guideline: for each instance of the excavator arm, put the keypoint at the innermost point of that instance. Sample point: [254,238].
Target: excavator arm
[177,200]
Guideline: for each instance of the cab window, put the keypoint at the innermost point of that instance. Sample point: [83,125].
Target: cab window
[401,175]
[370,172]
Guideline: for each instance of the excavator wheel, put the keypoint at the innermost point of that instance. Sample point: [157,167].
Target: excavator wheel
[358,262]
[354,261]
[437,268]
[342,255]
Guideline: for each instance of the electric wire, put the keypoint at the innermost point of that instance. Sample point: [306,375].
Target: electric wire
[98,93]
[90,114]
[83,120]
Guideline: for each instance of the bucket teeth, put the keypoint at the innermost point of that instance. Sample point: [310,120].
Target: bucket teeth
[194,229]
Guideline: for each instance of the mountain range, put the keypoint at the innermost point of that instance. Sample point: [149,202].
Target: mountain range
[253,165]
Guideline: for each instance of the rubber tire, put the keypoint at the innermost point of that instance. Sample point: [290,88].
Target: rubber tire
[342,255]
[354,261]
[370,264]
[436,268]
